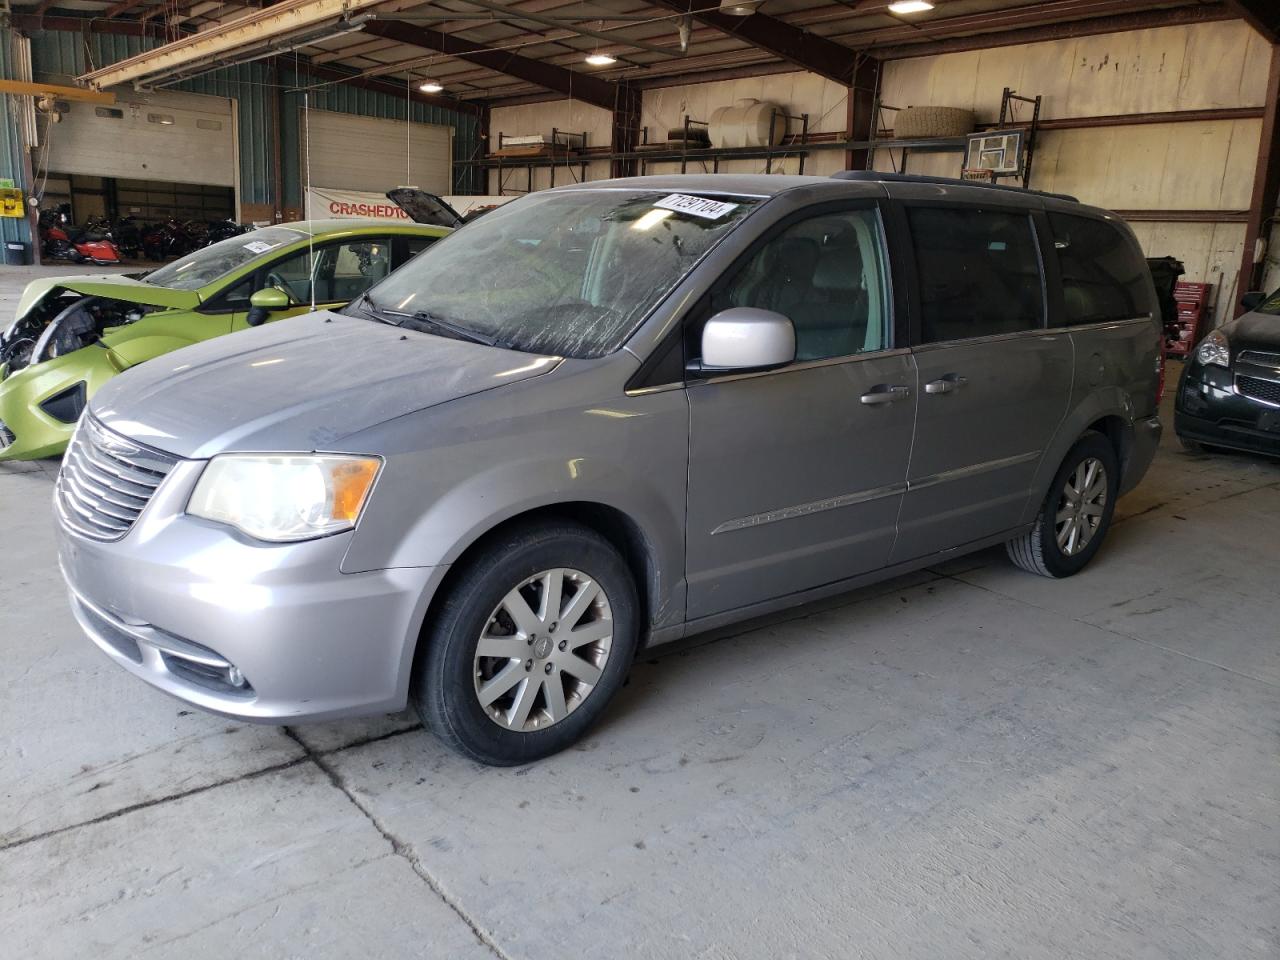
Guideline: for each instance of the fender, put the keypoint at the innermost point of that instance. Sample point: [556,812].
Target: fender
[495,458]
[1102,401]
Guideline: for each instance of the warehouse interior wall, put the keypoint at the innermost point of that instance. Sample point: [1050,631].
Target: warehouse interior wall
[60,56]
[12,149]
[1202,168]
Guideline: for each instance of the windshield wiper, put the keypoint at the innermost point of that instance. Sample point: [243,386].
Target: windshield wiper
[365,305]
[428,319]
[423,318]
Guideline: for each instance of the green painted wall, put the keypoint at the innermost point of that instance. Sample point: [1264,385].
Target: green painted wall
[61,55]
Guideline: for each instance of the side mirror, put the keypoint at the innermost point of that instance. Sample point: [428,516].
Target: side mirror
[1253,299]
[263,302]
[744,338]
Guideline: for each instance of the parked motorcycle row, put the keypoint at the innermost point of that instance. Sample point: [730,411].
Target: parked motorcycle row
[103,241]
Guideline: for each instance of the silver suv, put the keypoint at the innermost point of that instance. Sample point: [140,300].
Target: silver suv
[606,417]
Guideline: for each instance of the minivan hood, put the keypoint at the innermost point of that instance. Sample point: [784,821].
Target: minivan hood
[299,385]
[116,286]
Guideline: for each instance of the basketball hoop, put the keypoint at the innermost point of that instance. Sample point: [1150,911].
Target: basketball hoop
[978,174]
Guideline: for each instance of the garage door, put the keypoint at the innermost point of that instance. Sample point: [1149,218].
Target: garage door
[180,138]
[364,153]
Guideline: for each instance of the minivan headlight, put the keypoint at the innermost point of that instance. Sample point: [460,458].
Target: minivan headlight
[1214,349]
[284,497]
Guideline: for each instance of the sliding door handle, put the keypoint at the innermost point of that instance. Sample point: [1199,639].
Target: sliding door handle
[952,381]
[885,394]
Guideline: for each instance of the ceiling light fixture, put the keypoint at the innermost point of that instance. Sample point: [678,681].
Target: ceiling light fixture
[910,6]
[740,8]
[599,59]
[430,86]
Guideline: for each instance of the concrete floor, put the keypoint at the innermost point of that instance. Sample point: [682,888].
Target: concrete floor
[970,762]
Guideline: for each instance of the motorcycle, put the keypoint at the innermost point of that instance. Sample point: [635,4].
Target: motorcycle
[224,230]
[163,241]
[59,240]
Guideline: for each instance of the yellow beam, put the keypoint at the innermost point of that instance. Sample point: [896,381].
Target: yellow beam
[269,30]
[21,89]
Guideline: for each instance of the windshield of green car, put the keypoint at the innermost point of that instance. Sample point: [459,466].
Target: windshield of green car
[215,261]
[569,273]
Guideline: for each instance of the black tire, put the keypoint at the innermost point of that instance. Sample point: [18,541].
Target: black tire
[445,685]
[1038,551]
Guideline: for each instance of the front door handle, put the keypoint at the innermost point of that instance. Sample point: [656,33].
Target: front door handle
[945,384]
[885,394]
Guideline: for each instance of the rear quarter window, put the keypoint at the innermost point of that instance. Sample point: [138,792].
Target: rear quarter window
[1103,277]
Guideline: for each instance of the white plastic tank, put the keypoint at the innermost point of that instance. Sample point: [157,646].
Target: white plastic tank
[748,123]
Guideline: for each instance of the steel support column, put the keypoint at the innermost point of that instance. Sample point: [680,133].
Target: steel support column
[1266,190]
[861,110]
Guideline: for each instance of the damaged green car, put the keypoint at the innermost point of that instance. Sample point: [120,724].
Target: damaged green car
[72,334]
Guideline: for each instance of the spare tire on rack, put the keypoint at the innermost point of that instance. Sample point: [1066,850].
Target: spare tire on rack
[916,123]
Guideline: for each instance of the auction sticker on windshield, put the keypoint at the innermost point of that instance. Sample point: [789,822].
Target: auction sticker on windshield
[258,246]
[696,206]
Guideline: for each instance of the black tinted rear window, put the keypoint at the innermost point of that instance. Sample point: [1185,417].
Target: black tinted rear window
[979,272]
[1103,278]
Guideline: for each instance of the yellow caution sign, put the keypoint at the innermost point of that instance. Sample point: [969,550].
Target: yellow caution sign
[11,203]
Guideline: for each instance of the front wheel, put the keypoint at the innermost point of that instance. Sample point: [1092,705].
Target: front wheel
[532,641]
[1076,513]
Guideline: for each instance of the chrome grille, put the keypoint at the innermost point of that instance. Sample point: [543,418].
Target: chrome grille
[1268,391]
[106,480]
[1262,357]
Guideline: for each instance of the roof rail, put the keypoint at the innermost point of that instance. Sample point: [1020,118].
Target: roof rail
[945,181]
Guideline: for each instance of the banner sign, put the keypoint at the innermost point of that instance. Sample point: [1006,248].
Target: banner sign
[323,203]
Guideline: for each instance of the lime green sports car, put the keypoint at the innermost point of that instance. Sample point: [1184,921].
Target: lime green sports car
[72,334]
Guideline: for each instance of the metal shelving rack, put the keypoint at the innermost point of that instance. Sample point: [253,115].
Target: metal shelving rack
[800,146]
[566,151]
[654,152]
[1008,99]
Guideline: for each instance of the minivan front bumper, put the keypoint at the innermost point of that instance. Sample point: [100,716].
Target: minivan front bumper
[268,633]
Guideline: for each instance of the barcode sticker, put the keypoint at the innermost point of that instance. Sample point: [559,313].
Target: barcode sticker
[696,206]
[258,246]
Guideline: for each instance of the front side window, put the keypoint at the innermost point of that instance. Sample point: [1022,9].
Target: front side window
[826,274]
[339,271]
[1102,277]
[979,272]
[570,274]
[415,245]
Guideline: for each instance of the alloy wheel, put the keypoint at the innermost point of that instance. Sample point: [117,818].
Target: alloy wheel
[1081,506]
[542,649]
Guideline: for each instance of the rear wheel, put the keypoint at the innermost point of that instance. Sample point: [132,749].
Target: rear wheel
[529,646]
[1076,513]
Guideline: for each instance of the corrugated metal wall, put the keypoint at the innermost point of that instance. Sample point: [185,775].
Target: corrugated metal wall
[11,228]
[342,98]
[59,54]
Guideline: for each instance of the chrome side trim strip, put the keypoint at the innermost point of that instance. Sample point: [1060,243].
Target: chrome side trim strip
[806,509]
[973,470]
[875,493]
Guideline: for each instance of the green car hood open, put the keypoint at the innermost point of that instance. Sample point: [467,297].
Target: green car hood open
[116,286]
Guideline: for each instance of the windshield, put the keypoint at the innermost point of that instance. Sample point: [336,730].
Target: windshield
[570,274]
[217,260]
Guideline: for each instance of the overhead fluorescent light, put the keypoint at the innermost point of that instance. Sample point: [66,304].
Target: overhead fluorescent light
[910,6]
[601,59]
[430,86]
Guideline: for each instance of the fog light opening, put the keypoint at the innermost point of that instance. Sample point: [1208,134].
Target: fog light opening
[235,677]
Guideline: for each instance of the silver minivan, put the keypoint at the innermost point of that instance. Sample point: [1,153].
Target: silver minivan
[605,417]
